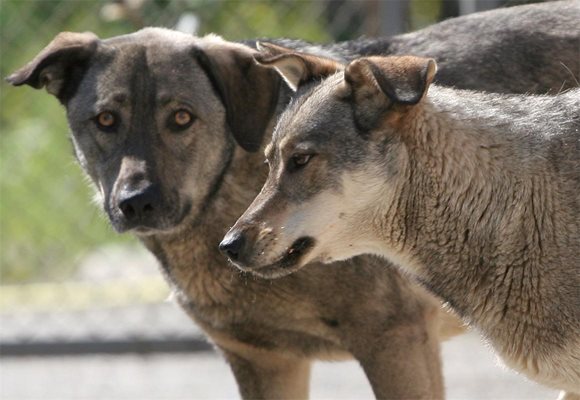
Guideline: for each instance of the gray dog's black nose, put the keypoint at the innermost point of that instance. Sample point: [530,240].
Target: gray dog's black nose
[140,205]
[233,245]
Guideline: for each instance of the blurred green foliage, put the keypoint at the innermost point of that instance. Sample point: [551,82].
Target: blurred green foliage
[46,220]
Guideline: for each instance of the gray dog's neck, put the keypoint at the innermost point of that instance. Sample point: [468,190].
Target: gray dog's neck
[495,213]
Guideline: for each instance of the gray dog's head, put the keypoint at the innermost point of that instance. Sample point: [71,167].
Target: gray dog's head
[331,154]
[155,117]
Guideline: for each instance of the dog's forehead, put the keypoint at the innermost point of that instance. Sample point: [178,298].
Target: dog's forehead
[160,48]
[157,38]
[143,70]
[151,62]
[313,115]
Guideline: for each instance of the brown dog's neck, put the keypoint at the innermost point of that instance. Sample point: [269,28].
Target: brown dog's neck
[478,228]
[190,257]
[199,274]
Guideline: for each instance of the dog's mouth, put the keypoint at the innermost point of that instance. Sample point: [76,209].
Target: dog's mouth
[288,263]
[162,222]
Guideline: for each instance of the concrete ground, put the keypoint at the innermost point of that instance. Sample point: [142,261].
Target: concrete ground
[471,372]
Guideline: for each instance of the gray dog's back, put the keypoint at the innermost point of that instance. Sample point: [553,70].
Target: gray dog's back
[525,49]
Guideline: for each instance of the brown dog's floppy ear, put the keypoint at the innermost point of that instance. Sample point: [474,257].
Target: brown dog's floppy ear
[378,82]
[249,91]
[57,63]
[295,67]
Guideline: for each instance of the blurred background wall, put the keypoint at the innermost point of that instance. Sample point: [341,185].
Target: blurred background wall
[68,283]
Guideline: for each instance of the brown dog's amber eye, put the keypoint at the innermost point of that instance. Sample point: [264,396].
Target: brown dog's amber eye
[106,121]
[182,118]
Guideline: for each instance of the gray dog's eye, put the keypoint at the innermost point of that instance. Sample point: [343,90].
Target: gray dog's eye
[298,161]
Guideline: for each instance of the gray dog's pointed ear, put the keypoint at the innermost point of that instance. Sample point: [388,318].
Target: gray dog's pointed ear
[56,63]
[376,83]
[403,80]
[249,91]
[296,68]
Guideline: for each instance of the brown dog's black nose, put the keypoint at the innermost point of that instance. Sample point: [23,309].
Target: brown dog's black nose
[233,245]
[141,205]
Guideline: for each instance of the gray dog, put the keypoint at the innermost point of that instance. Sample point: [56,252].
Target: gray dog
[168,126]
[477,195]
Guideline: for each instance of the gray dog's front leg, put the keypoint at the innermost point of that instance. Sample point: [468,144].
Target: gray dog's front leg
[268,375]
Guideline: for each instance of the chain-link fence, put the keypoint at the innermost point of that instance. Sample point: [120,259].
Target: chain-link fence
[66,276]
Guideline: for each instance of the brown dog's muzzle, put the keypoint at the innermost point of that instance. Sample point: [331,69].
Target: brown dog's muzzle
[139,207]
[140,203]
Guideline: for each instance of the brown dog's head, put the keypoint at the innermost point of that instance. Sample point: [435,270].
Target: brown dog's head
[333,152]
[155,117]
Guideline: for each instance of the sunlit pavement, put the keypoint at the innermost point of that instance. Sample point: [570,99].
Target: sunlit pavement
[471,372]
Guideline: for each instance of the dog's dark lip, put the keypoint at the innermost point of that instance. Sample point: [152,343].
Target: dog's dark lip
[143,229]
[288,263]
